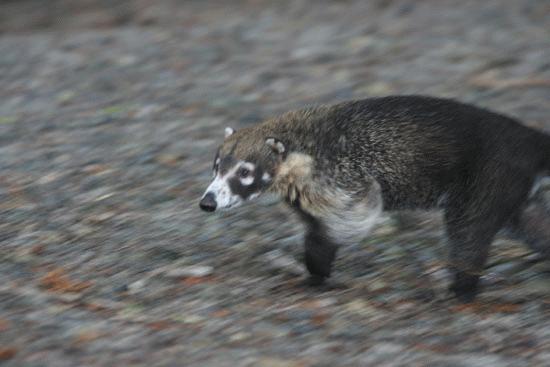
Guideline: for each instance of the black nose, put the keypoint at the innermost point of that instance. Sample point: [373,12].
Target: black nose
[208,202]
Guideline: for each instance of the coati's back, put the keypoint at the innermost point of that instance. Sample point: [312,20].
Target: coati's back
[418,148]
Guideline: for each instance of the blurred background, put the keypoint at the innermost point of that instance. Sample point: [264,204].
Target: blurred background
[110,114]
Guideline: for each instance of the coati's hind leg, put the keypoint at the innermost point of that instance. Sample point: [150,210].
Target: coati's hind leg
[469,242]
[472,220]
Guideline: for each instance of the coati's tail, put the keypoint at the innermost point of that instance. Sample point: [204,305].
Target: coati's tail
[532,224]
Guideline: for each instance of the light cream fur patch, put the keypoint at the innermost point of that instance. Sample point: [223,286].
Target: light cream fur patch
[293,176]
[348,218]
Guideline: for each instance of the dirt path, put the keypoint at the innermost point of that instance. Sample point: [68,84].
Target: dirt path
[108,123]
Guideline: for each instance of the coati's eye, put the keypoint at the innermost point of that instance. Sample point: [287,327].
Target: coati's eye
[244,172]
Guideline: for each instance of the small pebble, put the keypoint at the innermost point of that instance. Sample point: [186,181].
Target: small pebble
[190,271]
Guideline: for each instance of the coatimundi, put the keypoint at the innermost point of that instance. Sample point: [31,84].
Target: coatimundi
[340,166]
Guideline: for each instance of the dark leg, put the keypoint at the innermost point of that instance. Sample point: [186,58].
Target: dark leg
[472,220]
[319,256]
[320,251]
[469,248]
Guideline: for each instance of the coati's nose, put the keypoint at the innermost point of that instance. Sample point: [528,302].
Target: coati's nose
[208,202]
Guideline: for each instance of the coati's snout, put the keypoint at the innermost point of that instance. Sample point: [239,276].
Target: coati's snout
[233,184]
[221,194]
[241,172]
[208,202]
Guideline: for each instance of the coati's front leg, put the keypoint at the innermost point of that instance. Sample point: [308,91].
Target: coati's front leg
[320,250]
[319,254]
[348,222]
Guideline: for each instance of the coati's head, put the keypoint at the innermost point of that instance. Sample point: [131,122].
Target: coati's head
[244,167]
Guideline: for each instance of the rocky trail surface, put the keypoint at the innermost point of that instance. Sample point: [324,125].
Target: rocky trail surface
[109,118]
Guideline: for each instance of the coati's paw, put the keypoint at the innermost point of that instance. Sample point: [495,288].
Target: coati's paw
[464,296]
[424,295]
[314,280]
[322,284]
[465,286]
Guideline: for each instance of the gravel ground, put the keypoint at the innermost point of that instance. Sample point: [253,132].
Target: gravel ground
[109,118]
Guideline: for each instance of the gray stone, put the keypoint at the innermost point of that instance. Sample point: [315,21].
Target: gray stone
[190,271]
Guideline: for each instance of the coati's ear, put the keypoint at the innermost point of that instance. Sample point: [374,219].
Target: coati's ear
[228,132]
[276,145]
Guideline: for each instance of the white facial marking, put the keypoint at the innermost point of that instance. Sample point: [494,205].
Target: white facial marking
[266,177]
[249,166]
[216,166]
[220,188]
[220,185]
[247,181]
